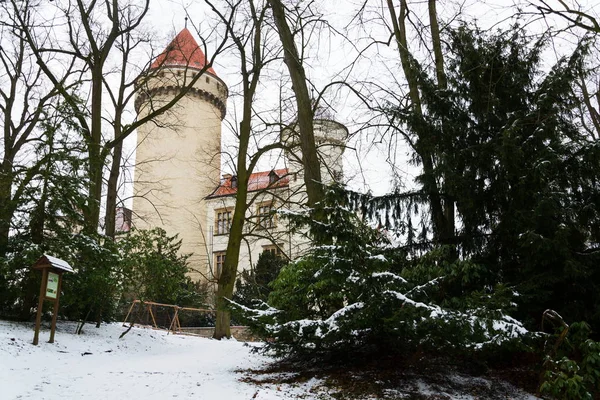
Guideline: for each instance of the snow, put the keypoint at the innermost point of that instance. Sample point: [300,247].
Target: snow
[145,364]
[58,263]
[149,364]
[388,275]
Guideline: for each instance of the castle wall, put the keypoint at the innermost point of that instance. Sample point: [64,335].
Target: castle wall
[257,239]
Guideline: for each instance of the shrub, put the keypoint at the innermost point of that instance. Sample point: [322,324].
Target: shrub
[255,285]
[356,293]
[574,372]
[153,270]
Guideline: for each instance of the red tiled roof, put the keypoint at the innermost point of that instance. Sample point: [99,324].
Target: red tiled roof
[182,52]
[257,181]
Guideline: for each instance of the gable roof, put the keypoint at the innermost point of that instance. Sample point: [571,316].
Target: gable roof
[257,181]
[183,51]
[49,261]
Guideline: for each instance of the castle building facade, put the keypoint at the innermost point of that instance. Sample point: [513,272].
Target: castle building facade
[178,184]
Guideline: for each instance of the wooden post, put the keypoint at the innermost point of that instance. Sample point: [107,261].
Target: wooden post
[152,315]
[55,310]
[129,312]
[174,322]
[178,323]
[38,317]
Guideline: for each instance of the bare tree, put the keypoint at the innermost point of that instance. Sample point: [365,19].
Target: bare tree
[95,30]
[24,97]
[570,11]
[585,25]
[244,20]
[440,199]
[304,104]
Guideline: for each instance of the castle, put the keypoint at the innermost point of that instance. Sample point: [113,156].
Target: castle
[178,184]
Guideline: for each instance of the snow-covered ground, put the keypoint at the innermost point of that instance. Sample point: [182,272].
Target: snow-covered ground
[144,364]
[149,364]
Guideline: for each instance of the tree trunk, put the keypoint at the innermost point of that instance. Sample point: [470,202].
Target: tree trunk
[112,191]
[227,277]
[310,160]
[6,213]
[442,212]
[448,232]
[250,78]
[96,164]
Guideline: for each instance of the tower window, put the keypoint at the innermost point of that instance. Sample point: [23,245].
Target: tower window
[223,221]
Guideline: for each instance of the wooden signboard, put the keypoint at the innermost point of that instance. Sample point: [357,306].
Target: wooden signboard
[52,270]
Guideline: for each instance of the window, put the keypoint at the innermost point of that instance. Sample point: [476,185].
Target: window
[273,177]
[265,217]
[234,182]
[223,221]
[219,263]
[273,249]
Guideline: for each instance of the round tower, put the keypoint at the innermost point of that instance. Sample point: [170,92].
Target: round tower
[330,140]
[178,157]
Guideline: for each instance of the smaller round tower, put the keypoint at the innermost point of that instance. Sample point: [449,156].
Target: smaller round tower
[330,140]
[178,157]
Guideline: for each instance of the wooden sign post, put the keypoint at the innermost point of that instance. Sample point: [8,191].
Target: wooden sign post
[52,270]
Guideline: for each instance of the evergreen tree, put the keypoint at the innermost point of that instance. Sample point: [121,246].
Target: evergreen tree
[153,269]
[521,172]
[254,285]
[356,293]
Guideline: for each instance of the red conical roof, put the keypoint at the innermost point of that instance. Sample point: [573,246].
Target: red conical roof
[183,51]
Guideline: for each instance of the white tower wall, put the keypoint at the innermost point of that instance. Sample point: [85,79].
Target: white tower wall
[178,159]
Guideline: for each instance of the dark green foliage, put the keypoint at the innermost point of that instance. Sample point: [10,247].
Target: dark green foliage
[47,201]
[19,286]
[154,271]
[521,171]
[142,265]
[357,294]
[523,174]
[574,372]
[91,293]
[255,284]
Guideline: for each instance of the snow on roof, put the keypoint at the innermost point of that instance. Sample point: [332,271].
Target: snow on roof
[183,51]
[58,263]
[257,181]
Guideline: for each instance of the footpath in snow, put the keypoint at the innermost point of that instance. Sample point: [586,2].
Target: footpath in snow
[149,364]
[144,364]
